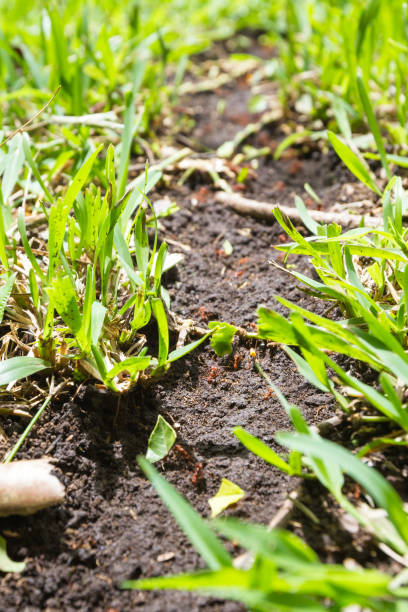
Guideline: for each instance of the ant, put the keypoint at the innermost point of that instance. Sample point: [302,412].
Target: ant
[213,374]
[182,451]
[268,394]
[197,477]
[237,360]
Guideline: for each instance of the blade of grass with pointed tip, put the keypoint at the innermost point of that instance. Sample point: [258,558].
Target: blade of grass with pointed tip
[26,245]
[281,546]
[261,449]
[131,365]
[372,122]
[200,535]
[353,163]
[377,486]
[5,292]
[160,315]
[19,367]
[187,348]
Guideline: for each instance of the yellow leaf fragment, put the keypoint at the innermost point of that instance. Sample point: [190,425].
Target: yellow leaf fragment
[228,494]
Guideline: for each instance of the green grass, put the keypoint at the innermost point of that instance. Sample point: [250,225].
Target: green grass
[85,87]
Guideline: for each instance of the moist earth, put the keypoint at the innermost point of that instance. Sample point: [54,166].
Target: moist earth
[113,526]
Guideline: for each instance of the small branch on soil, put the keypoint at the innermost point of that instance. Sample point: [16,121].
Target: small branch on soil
[264,210]
[28,486]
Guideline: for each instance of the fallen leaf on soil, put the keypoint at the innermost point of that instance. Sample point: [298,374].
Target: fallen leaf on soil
[6,564]
[228,494]
[28,486]
[161,440]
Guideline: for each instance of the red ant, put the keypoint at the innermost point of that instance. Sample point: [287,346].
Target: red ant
[268,394]
[182,451]
[198,475]
[213,374]
[237,361]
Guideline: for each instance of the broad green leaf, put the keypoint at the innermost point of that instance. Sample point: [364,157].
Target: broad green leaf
[6,564]
[65,302]
[228,494]
[19,367]
[272,326]
[79,179]
[353,163]
[161,440]
[200,535]
[222,337]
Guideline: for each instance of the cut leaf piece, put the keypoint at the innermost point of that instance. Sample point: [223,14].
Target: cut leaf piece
[161,440]
[222,338]
[6,564]
[228,494]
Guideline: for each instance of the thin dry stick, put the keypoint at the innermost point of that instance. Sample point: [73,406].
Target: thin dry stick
[27,123]
[264,210]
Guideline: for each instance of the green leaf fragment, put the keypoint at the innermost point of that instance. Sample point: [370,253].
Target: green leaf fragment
[6,564]
[222,338]
[161,440]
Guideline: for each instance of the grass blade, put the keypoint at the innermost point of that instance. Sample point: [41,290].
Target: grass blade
[202,537]
[20,367]
[353,163]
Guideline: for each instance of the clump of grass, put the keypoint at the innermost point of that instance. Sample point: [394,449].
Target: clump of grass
[283,573]
[77,293]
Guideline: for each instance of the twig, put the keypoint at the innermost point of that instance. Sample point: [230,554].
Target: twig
[264,210]
[27,123]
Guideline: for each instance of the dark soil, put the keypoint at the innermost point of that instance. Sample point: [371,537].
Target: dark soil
[113,526]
